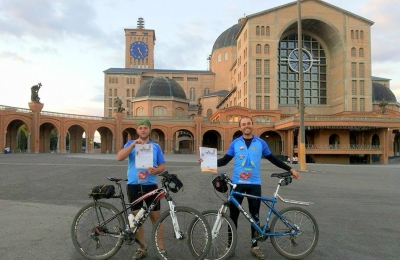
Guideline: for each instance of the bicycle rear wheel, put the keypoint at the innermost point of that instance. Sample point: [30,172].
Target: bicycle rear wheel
[164,237]
[295,246]
[106,240]
[224,235]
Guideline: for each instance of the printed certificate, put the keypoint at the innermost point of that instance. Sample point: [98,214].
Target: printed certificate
[209,156]
[144,156]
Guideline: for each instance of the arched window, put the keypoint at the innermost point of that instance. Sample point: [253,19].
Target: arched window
[209,112]
[257,30]
[179,112]
[159,111]
[262,30]
[266,49]
[206,91]
[110,92]
[127,80]
[353,52]
[356,34]
[267,30]
[226,56]
[128,93]
[334,141]
[110,80]
[192,94]
[361,52]
[352,34]
[362,35]
[258,48]
[140,111]
[219,58]
[133,93]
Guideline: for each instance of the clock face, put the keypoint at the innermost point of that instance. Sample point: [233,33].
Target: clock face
[139,50]
[306,60]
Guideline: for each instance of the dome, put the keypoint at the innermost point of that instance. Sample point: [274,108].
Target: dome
[161,87]
[227,38]
[380,92]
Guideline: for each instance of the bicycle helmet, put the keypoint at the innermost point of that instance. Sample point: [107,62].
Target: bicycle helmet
[174,184]
[219,184]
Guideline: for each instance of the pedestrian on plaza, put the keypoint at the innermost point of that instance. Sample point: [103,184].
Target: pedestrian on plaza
[142,181]
[248,151]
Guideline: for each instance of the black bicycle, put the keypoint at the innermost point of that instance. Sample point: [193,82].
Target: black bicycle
[99,229]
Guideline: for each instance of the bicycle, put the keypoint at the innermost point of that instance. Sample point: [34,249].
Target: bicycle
[99,229]
[293,231]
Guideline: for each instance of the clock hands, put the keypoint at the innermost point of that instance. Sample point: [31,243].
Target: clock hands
[140,51]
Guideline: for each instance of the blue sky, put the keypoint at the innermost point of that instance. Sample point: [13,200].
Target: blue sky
[67,44]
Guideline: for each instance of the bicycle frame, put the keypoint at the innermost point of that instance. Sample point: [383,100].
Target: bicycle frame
[269,202]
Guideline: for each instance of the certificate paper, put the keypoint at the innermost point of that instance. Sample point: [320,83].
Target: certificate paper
[209,156]
[144,156]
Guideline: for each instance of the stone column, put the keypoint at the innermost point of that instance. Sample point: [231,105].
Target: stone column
[36,107]
[198,120]
[117,139]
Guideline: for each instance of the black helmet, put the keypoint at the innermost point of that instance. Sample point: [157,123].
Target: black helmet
[220,184]
[174,184]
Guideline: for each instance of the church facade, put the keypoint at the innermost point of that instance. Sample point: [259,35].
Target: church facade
[350,115]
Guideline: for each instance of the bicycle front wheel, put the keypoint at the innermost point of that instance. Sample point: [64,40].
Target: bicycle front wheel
[92,241]
[177,244]
[295,246]
[223,233]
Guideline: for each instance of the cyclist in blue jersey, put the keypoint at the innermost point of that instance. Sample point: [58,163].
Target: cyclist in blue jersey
[140,180]
[248,151]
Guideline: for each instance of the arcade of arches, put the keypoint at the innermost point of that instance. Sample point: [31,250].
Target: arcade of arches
[32,131]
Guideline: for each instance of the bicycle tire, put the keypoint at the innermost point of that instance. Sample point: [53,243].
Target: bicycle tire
[300,245]
[220,247]
[198,237]
[92,245]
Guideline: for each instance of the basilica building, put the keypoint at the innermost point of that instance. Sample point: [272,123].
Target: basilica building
[350,116]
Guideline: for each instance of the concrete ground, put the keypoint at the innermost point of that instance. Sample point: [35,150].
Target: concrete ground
[356,206]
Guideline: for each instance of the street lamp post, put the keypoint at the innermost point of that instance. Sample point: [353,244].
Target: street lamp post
[302,146]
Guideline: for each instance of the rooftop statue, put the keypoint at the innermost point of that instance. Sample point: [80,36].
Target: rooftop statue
[35,92]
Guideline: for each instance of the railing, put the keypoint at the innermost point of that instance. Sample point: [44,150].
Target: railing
[343,147]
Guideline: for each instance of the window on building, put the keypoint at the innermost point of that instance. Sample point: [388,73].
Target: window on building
[128,93]
[352,34]
[266,67]
[262,30]
[354,87]
[258,48]
[110,92]
[140,111]
[267,30]
[361,52]
[128,104]
[177,78]
[266,49]
[110,102]
[361,68]
[267,103]
[315,79]
[266,85]
[258,85]
[192,79]
[109,80]
[353,69]
[192,94]
[362,91]
[258,102]
[362,35]
[219,58]
[179,112]
[209,112]
[258,67]
[127,80]
[115,92]
[226,56]
[257,30]
[353,52]
[206,91]
[354,104]
[356,34]
[362,104]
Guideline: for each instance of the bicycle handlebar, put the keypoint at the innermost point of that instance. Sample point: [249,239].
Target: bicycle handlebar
[285,178]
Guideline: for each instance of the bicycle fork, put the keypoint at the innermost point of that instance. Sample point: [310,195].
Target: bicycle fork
[218,221]
[178,233]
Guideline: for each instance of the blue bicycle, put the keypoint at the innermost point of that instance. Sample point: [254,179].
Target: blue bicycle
[293,231]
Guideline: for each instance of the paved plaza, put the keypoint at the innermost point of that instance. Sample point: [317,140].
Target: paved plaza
[357,206]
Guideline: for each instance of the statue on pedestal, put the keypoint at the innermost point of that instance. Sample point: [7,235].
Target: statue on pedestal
[35,92]
[199,107]
[118,105]
[383,105]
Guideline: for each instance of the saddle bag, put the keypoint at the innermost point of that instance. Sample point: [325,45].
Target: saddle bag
[102,192]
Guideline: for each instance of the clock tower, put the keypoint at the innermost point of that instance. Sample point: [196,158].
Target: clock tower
[139,47]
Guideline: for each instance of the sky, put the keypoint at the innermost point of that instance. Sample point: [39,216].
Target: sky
[67,44]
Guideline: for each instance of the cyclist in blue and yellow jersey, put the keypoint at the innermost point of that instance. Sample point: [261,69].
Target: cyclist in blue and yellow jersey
[142,180]
[248,151]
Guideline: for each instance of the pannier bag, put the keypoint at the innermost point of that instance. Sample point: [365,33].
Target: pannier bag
[219,184]
[102,191]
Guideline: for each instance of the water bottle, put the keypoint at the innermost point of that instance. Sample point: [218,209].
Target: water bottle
[139,215]
[131,219]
